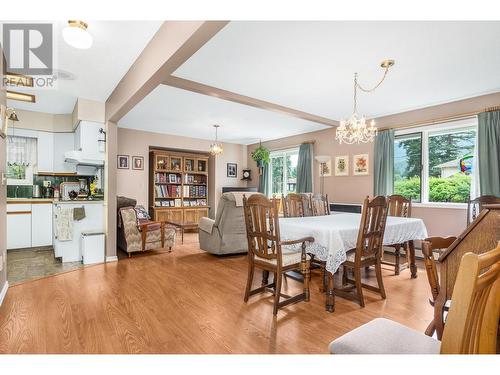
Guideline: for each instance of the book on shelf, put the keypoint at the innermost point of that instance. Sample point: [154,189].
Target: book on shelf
[168,191]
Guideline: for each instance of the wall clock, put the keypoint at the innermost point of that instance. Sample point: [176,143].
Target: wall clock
[247,176]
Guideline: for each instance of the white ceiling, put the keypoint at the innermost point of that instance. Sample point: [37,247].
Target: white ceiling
[93,72]
[309,66]
[179,112]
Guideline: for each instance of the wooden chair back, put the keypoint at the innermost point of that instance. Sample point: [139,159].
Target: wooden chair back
[262,224]
[429,246]
[293,205]
[475,206]
[372,228]
[399,206]
[319,204]
[472,322]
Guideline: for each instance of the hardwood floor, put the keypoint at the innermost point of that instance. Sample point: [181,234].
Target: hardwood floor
[187,301]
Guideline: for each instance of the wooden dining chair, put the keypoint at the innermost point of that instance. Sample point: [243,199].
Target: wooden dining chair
[367,251]
[293,205]
[319,205]
[265,251]
[471,326]
[430,246]
[401,207]
[475,206]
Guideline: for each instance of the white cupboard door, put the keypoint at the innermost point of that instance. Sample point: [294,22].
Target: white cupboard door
[41,225]
[18,230]
[45,152]
[63,142]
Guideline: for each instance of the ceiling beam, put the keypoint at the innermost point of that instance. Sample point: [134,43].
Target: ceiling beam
[200,88]
[173,44]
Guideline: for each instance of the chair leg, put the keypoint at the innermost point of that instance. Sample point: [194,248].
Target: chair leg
[265,277]
[378,270]
[275,276]
[249,280]
[277,293]
[307,279]
[344,275]
[359,287]
[396,260]
[431,328]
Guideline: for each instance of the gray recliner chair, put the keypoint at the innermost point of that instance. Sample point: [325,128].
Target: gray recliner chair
[227,233]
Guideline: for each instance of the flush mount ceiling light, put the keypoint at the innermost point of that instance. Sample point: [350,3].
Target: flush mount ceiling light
[20,96]
[355,130]
[76,35]
[216,147]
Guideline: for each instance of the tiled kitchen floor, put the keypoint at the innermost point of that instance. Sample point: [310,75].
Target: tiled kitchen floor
[27,264]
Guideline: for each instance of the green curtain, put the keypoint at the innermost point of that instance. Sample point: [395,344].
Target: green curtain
[263,179]
[383,171]
[488,147]
[304,168]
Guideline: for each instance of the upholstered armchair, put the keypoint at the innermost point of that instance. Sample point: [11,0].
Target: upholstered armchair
[142,234]
[227,233]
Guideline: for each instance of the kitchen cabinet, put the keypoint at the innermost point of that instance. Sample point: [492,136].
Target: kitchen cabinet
[41,228]
[18,226]
[87,136]
[63,142]
[45,151]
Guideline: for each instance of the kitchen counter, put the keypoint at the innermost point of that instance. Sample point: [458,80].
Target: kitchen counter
[79,201]
[29,200]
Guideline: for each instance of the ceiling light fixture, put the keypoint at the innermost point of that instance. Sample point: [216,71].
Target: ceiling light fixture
[76,35]
[14,79]
[21,96]
[216,147]
[355,130]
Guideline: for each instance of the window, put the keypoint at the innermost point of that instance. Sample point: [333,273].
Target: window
[283,172]
[435,164]
[21,160]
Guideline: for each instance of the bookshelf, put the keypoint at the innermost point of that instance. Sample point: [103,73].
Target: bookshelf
[178,189]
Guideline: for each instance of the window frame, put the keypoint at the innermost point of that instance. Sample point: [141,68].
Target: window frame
[278,153]
[425,130]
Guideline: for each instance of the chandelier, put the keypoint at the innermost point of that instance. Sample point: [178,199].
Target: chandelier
[355,129]
[216,147]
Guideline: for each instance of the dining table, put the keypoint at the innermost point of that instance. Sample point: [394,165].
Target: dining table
[337,233]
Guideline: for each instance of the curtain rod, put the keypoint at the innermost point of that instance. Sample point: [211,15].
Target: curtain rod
[440,120]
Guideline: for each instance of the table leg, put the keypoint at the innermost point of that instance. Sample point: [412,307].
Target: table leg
[330,294]
[265,277]
[182,235]
[413,266]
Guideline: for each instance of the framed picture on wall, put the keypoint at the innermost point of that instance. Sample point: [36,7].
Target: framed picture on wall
[232,170]
[360,165]
[138,162]
[342,165]
[123,161]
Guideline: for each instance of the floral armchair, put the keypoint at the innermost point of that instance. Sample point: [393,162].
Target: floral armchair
[141,234]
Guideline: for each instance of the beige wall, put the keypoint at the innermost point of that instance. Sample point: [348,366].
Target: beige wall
[48,122]
[88,110]
[134,183]
[3,191]
[352,189]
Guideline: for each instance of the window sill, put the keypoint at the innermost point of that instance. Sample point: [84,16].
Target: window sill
[456,206]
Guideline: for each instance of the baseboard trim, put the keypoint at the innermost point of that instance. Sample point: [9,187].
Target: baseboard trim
[3,293]
[113,258]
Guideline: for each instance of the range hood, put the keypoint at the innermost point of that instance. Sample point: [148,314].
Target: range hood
[84,158]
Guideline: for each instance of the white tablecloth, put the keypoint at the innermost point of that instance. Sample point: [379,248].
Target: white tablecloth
[335,234]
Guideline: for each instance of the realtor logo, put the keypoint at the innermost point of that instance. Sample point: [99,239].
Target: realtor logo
[28,48]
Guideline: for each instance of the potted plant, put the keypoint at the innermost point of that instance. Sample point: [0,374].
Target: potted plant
[261,156]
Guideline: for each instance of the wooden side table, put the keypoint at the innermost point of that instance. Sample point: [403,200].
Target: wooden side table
[183,227]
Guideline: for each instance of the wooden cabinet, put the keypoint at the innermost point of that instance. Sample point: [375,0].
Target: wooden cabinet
[178,186]
[41,224]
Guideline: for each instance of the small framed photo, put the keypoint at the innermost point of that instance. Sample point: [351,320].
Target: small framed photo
[342,165]
[172,178]
[232,170]
[360,165]
[190,179]
[123,161]
[138,162]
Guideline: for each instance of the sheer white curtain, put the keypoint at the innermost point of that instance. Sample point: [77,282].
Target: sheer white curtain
[22,151]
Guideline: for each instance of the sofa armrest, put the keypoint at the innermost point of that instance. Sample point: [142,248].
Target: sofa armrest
[206,224]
